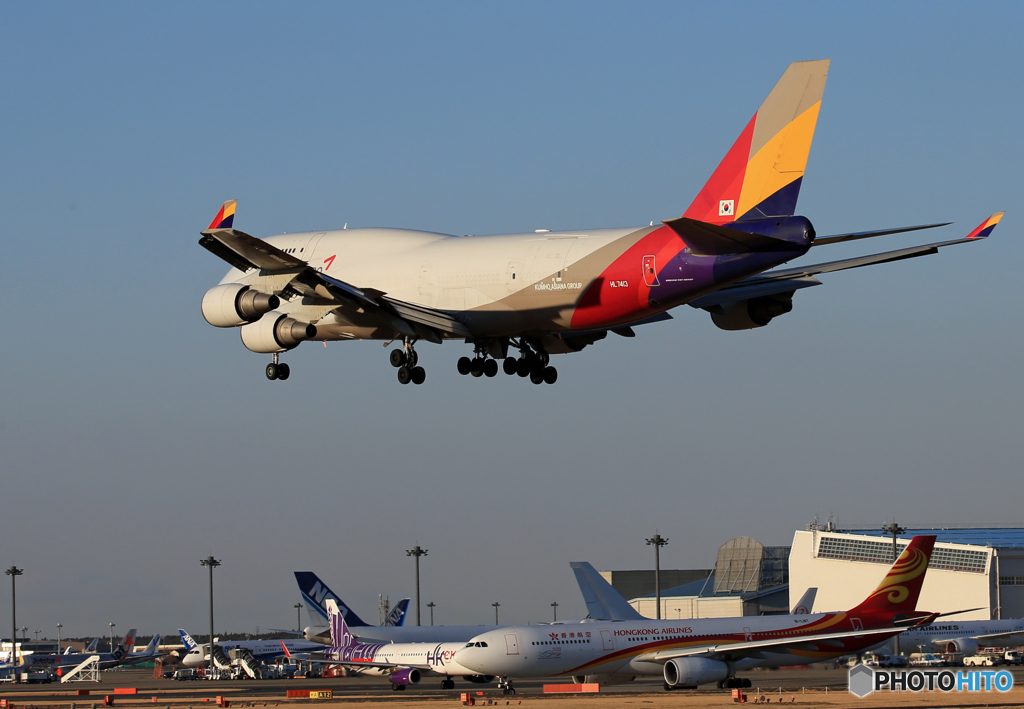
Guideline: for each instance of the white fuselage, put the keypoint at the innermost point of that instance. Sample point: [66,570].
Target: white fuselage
[260,649]
[1011,632]
[438,657]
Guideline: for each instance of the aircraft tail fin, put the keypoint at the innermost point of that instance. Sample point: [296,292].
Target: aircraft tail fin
[341,637]
[761,174]
[603,601]
[986,227]
[806,602]
[151,648]
[91,647]
[225,217]
[126,645]
[901,587]
[187,640]
[315,593]
[398,614]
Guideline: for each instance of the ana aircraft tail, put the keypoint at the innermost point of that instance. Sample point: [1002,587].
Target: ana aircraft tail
[315,594]
[187,640]
[341,637]
[397,616]
[761,174]
[901,587]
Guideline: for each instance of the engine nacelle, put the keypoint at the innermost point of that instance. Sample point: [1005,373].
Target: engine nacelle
[691,671]
[276,332]
[748,314]
[407,676]
[968,646]
[233,304]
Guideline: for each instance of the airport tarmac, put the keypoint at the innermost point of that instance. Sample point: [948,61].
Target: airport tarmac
[805,687]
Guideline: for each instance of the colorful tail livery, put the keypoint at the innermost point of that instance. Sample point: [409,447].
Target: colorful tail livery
[225,217]
[986,227]
[760,176]
[341,638]
[901,587]
[397,616]
[316,594]
[187,640]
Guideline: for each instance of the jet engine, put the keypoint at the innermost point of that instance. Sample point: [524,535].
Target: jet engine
[276,332]
[748,314]
[968,646]
[691,671]
[233,304]
[407,676]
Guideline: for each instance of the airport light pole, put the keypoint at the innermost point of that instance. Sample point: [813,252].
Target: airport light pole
[495,604]
[431,607]
[893,529]
[298,616]
[417,552]
[211,563]
[657,541]
[112,625]
[59,626]
[14,572]
[554,611]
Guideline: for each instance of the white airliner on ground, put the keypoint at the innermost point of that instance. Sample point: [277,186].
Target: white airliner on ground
[965,636]
[690,652]
[546,293]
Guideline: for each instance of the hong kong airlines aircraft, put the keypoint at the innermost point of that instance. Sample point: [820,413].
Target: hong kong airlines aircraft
[692,652]
[546,293]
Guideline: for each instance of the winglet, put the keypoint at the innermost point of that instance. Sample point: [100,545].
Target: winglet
[986,227]
[225,217]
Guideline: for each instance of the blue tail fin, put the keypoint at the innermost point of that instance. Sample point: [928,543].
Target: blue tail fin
[397,616]
[316,594]
[187,640]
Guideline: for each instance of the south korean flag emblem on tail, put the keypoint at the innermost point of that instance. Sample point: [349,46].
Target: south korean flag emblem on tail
[726,207]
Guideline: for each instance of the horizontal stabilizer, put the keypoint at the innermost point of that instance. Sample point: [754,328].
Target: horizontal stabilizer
[713,240]
[836,238]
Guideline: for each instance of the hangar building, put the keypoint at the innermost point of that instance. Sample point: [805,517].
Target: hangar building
[970,568]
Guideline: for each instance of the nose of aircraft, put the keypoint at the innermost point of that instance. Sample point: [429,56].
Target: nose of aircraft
[475,654]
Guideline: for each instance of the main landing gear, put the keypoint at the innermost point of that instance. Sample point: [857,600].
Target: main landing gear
[530,364]
[278,369]
[406,360]
[447,683]
[505,685]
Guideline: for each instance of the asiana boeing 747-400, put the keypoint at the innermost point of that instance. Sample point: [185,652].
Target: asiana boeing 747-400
[545,293]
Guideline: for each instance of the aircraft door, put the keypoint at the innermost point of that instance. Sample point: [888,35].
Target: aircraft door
[511,644]
[606,640]
[747,635]
[857,625]
[514,276]
[549,260]
[427,283]
[306,252]
[650,271]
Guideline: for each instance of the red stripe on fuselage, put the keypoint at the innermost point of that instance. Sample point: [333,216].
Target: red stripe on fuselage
[620,295]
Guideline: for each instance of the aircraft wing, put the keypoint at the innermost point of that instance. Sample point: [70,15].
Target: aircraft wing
[603,601]
[787,280]
[246,252]
[737,651]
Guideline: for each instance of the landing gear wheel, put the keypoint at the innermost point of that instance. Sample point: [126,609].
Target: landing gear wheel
[537,377]
[283,371]
[523,367]
[404,376]
[447,684]
[544,357]
[397,360]
[509,365]
[511,690]
[477,367]
[418,374]
[465,365]
[550,375]
[490,367]
[272,371]
[413,360]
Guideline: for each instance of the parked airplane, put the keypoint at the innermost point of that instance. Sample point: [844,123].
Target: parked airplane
[546,293]
[120,656]
[150,652]
[697,651]
[964,636]
[199,654]
[315,593]
[404,663]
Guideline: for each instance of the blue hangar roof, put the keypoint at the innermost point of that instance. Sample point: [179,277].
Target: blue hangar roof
[979,536]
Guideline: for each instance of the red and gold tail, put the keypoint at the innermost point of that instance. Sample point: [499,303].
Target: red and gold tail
[761,174]
[225,217]
[901,587]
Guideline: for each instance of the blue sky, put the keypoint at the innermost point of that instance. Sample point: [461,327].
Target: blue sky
[136,439]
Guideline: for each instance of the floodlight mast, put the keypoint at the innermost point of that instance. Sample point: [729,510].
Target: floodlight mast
[431,607]
[657,541]
[417,552]
[895,530]
[14,572]
[298,616]
[211,563]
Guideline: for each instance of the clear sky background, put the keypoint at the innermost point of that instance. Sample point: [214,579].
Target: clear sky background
[135,439]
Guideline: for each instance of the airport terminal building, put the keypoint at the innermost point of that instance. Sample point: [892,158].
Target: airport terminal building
[979,568]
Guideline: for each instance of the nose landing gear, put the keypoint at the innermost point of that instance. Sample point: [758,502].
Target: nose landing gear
[405,360]
[278,369]
[505,685]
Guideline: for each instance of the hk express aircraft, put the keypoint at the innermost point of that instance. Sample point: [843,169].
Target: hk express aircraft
[546,293]
[687,653]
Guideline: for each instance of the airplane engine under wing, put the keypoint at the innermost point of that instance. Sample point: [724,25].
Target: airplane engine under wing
[748,314]
[968,646]
[276,332]
[406,676]
[234,304]
[691,671]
